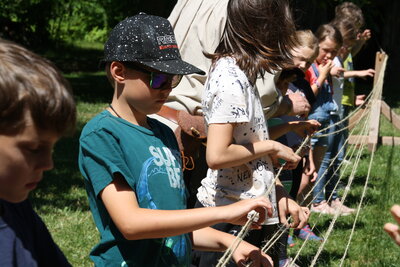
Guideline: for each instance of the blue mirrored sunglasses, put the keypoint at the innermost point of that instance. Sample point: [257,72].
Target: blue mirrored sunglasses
[157,80]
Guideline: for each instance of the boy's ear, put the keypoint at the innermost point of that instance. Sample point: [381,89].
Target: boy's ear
[118,71]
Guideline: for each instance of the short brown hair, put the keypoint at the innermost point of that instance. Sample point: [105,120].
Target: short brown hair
[30,83]
[350,11]
[328,31]
[347,29]
[259,35]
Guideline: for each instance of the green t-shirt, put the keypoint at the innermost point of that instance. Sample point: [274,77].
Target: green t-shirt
[150,162]
[348,98]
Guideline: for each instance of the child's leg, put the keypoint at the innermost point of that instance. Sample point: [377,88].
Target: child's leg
[332,175]
[323,174]
[319,156]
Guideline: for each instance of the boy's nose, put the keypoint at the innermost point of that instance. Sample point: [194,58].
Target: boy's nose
[45,162]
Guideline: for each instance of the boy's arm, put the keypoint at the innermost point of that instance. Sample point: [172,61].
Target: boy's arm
[223,153]
[210,239]
[140,223]
[359,73]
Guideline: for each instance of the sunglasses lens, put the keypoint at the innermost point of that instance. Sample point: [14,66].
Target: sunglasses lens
[176,79]
[158,80]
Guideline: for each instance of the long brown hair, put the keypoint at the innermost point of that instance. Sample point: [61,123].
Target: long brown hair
[259,34]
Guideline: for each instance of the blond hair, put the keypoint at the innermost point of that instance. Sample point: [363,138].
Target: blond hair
[306,38]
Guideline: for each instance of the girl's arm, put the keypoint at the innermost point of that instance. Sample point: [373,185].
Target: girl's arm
[359,73]
[139,223]
[223,153]
[210,239]
[301,128]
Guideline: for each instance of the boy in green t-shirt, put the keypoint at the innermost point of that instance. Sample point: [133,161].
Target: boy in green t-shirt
[132,166]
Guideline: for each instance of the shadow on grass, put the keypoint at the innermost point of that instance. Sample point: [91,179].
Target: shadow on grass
[90,87]
[342,223]
[324,259]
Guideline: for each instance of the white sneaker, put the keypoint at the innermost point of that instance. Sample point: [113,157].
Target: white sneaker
[322,207]
[337,204]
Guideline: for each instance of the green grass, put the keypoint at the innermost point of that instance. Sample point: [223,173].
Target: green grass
[62,203]
[370,245]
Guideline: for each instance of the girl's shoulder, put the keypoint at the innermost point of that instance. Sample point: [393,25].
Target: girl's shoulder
[226,66]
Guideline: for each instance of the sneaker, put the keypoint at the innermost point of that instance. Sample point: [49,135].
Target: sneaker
[337,204]
[290,241]
[322,207]
[306,232]
[287,262]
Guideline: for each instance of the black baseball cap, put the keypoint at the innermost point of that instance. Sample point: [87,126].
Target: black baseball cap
[148,40]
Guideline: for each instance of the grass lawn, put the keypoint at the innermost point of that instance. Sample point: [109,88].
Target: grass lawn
[61,198]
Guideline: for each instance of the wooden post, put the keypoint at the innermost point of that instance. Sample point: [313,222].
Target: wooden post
[373,137]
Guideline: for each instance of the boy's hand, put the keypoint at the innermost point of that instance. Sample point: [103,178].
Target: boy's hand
[300,215]
[365,73]
[309,169]
[237,213]
[288,206]
[246,253]
[337,72]
[393,229]
[304,128]
[364,36]
[360,100]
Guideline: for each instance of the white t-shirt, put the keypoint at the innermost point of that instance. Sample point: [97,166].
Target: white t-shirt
[338,83]
[230,98]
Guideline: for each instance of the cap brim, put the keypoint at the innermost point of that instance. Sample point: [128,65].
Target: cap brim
[176,66]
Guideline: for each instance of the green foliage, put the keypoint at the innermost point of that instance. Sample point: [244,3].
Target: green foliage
[79,20]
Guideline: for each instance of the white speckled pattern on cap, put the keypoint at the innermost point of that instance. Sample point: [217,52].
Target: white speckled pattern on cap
[148,40]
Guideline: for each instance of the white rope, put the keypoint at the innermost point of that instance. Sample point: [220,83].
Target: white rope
[349,155]
[374,95]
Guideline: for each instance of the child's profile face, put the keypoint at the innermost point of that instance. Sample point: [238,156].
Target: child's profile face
[345,50]
[328,50]
[24,157]
[303,57]
[141,96]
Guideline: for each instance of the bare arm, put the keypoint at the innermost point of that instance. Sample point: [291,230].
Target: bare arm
[302,128]
[214,240]
[359,73]
[223,153]
[140,223]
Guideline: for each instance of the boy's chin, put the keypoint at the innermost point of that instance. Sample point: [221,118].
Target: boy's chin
[15,198]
